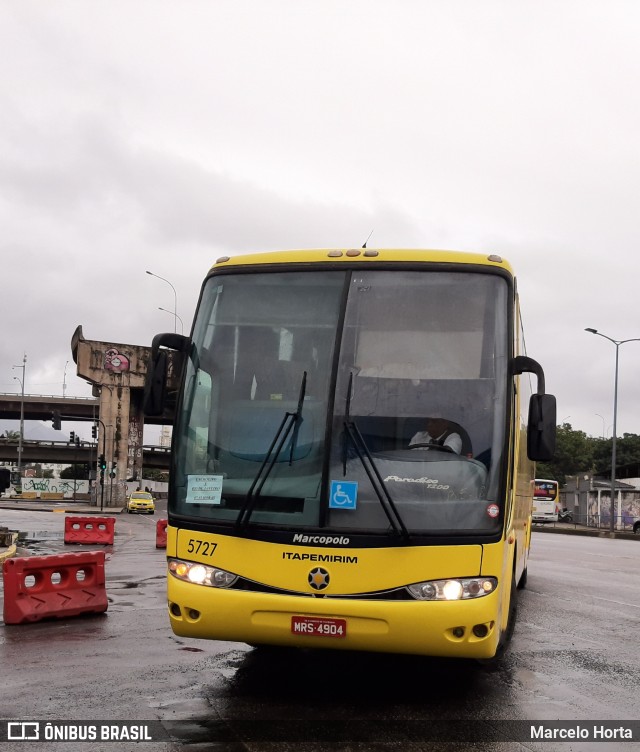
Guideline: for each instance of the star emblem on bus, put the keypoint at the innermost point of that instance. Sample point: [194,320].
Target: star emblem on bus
[319,578]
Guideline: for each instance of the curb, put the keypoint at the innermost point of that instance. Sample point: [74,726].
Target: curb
[26,507]
[585,532]
[7,553]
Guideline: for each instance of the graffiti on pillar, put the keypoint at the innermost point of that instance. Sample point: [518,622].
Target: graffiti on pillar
[134,457]
[115,361]
[55,485]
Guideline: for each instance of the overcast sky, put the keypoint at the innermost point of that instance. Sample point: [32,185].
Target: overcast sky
[160,135]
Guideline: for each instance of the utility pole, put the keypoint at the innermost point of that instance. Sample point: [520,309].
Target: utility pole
[21,438]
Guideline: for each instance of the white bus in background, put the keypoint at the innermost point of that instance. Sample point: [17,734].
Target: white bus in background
[545,501]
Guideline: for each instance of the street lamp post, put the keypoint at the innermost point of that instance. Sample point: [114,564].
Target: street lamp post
[175,300]
[21,437]
[166,310]
[617,343]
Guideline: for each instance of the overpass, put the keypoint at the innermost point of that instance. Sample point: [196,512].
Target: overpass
[41,407]
[117,374]
[65,453]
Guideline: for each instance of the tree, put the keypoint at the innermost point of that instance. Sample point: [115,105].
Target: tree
[627,454]
[576,453]
[156,475]
[573,455]
[81,471]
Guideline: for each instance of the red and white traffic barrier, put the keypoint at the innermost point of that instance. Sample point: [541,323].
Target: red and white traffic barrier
[44,587]
[161,534]
[89,530]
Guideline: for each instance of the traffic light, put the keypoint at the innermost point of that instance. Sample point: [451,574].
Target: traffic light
[94,431]
[77,440]
[72,437]
[113,469]
[103,466]
[55,419]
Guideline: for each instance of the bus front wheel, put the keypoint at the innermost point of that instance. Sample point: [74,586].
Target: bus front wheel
[507,632]
[523,579]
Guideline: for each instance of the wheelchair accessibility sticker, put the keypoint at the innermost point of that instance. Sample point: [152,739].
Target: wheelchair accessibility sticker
[343,494]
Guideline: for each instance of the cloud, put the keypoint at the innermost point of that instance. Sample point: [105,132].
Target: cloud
[161,135]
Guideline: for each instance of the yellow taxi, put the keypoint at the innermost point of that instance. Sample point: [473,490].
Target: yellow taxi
[141,501]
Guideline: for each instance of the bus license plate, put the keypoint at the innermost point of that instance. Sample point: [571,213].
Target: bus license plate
[316,626]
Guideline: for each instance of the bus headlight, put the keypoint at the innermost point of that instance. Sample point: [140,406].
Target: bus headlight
[460,589]
[201,574]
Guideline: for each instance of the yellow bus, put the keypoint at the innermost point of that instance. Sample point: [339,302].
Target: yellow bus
[351,463]
[545,500]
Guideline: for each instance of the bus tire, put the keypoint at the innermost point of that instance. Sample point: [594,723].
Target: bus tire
[512,610]
[522,583]
[492,664]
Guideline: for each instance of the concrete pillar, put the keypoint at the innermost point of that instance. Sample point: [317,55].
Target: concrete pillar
[117,372]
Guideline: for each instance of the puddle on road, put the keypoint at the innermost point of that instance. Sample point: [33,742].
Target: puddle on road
[39,543]
[42,535]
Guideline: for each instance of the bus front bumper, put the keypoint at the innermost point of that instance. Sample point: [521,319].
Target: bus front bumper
[462,629]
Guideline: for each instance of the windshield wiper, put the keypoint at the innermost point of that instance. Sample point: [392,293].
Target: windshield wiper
[289,421]
[371,469]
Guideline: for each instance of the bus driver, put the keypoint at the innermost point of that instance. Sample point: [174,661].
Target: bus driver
[439,432]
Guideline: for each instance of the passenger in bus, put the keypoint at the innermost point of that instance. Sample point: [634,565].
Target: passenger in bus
[440,432]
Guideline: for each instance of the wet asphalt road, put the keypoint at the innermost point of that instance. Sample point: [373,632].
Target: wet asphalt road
[575,656]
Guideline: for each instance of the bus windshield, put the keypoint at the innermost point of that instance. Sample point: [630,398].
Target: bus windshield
[363,401]
[546,489]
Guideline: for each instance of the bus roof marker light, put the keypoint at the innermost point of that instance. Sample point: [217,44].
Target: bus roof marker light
[354,252]
[370,253]
[334,254]
[222,259]
[494,257]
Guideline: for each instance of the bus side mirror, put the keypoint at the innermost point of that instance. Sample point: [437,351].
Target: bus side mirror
[541,433]
[155,384]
